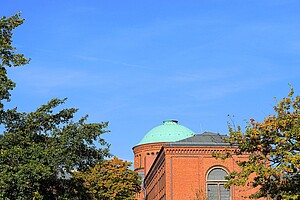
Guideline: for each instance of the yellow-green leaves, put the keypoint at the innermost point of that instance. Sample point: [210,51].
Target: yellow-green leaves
[273,147]
[110,180]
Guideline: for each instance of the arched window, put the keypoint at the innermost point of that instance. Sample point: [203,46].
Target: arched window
[215,185]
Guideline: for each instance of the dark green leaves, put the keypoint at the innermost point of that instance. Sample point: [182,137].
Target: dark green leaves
[8,55]
[41,149]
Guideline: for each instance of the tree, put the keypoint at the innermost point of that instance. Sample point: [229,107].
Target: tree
[8,56]
[111,180]
[273,147]
[46,154]
[40,150]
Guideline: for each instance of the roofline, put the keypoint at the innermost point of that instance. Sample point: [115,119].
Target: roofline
[148,143]
[158,156]
[197,144]
[155,161]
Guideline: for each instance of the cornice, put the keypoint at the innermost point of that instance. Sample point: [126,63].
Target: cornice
[148,147]
[171,150]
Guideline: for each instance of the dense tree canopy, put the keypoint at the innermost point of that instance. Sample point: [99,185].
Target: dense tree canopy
[40,150]
[273,147]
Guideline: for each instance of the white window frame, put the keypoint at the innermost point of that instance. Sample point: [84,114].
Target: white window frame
[217,182]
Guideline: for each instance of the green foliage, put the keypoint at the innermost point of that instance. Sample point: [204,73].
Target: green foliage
[40,150]
[8,55]
[111,180]
[45,154]
[273,147]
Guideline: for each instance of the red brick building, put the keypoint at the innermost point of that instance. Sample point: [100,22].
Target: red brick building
[177,164]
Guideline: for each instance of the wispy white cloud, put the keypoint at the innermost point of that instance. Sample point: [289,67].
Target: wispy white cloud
[203,74]
[219,90]
[116,62]
[48,79]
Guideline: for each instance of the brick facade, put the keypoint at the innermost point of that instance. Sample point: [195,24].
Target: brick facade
[144,156]
[180,172]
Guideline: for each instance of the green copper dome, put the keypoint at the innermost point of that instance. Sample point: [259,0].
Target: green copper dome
[169,131]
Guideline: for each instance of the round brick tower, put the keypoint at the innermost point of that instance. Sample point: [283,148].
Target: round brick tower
[145,152]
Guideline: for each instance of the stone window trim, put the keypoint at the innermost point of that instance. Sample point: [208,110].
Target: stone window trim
[217,183]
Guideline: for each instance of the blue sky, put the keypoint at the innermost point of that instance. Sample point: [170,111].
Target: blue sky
[136,63]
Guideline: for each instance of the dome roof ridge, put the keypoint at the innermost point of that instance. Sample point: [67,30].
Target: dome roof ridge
[169,131]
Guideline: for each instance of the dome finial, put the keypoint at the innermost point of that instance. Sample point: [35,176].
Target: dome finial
[170,121]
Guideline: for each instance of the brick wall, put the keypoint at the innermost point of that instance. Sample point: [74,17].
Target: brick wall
[179,173]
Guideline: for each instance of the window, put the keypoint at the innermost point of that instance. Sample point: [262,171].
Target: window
[141,174]
[215,185]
